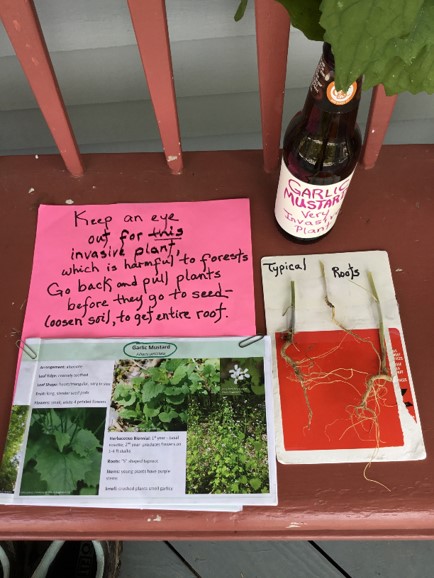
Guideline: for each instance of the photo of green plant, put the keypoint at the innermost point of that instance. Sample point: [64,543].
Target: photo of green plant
[220,403]
[227,432]
[63,454]
[154,394]
[10,460]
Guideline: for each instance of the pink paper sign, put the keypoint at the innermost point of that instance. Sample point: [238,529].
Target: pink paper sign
[166,269]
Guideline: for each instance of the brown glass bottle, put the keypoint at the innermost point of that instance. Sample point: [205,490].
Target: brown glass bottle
[321,148]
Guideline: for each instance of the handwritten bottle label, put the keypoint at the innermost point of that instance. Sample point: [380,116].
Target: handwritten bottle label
[305,210]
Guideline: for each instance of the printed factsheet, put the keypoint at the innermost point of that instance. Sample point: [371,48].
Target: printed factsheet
[182,423]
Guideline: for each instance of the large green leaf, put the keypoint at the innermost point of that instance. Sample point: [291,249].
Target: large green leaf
[92,476]
[85,442]
[62,472]
[305,15]
[62,439]
[391,43]
[31,483]
[36,447]
[408,63]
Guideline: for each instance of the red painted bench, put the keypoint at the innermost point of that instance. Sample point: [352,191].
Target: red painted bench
[390,207]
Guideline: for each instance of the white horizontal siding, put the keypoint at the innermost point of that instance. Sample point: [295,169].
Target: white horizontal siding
[114,74]
[214,58]
[89,24]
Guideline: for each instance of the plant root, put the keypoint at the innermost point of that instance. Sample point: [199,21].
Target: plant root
[363,417]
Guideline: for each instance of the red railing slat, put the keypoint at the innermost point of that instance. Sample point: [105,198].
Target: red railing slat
[272,37]
[150,26]
[23,28]
[380,113]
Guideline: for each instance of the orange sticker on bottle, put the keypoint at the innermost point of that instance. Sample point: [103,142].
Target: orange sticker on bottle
[340,97]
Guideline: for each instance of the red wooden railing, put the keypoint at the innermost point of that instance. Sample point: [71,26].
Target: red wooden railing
[379,116]
[150,25]
[22,26]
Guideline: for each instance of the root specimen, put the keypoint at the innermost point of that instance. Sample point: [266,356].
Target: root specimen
[364,415]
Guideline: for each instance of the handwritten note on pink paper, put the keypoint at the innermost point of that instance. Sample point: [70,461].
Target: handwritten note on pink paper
[160,269]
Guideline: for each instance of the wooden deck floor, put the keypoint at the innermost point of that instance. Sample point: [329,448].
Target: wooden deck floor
[355,559]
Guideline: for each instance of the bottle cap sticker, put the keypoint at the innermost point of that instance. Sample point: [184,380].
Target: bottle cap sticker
[340,97]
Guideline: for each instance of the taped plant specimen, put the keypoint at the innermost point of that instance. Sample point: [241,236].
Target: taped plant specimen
[342,383]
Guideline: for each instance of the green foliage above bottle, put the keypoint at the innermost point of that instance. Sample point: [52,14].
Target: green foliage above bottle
[390,42]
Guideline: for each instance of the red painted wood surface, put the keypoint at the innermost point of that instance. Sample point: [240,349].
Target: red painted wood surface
[22,26]
[272,36]
[390,207]
[150,26]
[380,113]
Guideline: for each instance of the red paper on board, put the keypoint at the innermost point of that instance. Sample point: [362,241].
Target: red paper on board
[322,407]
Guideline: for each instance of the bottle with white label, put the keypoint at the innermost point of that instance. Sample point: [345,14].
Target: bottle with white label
[321,148]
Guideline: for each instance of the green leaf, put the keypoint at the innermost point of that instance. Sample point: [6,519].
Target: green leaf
[62,472]
[388,42]
[131,400]
[258,389]
[159,374]
[121,391]
[62,439]
[32,484]
[167,416]
[240,10]
[305,15]
[408,63]
[35,447]
[85,442]
[172,390]
[92,476]
[55,418]
[180,373]
[127,414]
[176,399]
[151,412]
[88,491]
[151,390]
[255,483]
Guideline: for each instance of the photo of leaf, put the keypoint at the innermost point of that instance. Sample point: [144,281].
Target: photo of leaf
[63,454]
[10,460]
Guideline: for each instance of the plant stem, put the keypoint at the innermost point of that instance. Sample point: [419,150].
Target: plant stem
[291,307]
[381,331]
